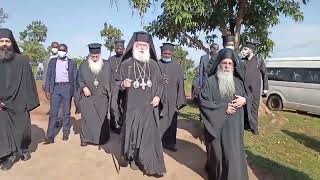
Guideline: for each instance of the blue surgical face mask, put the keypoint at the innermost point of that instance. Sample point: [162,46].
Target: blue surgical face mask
[167,59]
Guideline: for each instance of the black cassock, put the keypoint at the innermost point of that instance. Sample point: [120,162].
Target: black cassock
[19,94]
[223,133]
[173,99]
[141,134]
[94,109]
[117,94]
[255,73]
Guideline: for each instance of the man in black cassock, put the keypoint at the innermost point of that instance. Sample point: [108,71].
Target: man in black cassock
[255,72]
[94,86]
[174,95]
[225,106]
[117,104]
[141,80]
[18,96]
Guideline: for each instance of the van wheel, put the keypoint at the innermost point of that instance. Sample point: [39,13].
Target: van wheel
[275,103]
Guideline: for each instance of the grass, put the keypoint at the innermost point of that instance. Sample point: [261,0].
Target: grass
[288,150]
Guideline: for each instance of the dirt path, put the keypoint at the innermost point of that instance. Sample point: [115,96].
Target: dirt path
[68,161]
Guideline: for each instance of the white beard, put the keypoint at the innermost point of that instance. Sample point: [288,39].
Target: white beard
[142,57]
[95,67]
[226,84]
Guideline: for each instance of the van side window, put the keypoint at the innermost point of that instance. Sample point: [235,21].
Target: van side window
[303,75]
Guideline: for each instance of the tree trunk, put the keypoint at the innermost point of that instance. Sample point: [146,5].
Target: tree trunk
[239,19]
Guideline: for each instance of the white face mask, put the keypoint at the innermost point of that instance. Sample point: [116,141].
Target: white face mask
[54,50]
[62,54]
[230,47]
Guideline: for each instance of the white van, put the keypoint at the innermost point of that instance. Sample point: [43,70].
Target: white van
[294,83]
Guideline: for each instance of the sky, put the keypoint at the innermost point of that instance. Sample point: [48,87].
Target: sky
[78,23]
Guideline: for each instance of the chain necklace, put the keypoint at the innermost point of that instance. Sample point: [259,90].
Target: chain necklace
[142,76]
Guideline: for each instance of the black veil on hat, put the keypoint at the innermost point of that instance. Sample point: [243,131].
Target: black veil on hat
[223,54]
[95,48]
[140,36]
[7,33]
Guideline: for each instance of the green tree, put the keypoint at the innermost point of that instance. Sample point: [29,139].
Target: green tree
[3,16]
[34,51]
[110,34]
[31,39]
[185,20]
[180,55]
[36,31]
[79,59]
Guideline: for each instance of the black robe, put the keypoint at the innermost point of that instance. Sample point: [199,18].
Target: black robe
[255,73]
[94,125]
[18,92]
[223,133]
[141,133]
[117,94]
[173,99]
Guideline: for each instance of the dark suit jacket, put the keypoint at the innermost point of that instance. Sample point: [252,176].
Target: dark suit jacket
[203,74]
[51,75]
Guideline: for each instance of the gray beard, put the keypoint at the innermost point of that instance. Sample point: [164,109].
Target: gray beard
[140,57]
[6,53]
[226,84]
[95,67]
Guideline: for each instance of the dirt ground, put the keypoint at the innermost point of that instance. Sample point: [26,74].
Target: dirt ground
[68,161]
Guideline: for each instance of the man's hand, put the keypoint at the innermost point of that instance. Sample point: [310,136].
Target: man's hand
[2,105]
[126,83]
[239,102]
[231,109]
[48,96]
[265,92]
[155,102]
[86,92]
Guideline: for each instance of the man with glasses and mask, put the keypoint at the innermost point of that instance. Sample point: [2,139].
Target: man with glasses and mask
[18,96]
[60,88]
[255,72]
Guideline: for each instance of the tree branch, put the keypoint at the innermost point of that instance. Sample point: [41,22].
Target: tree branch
[239,19]
[196,42]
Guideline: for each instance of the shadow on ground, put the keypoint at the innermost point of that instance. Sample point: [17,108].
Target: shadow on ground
[277,170]
[307,141]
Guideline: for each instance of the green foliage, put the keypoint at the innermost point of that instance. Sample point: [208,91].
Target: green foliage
[110,34]
[185,20]
[79,59]
[34,51]
[3,16]
[180,55]
[31,40]
[36,31]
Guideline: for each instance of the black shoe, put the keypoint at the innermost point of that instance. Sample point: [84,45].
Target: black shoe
[65,137]
[48,141]
[83,144]
[172,148]
[133,165]
[26,156]
[7,165]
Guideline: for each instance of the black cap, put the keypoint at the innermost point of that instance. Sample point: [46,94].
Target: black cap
[142,36]
[94,48]
[227,38]
[119,42]
[167,46]
[251,45]
[7,33]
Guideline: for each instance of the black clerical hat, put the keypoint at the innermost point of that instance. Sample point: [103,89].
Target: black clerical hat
[251,45]
[227,38]
[167,46]
[94,48]
[142,36]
